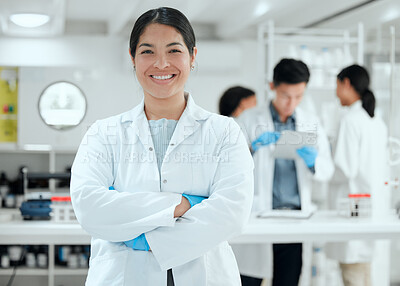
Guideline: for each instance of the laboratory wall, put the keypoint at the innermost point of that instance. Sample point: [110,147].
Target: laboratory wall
[102,69]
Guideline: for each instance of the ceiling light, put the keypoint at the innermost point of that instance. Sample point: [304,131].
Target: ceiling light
[261,9]
[27,20]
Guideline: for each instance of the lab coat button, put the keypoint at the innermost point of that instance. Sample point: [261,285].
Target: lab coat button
[172,144]
[151,148]
[164,181]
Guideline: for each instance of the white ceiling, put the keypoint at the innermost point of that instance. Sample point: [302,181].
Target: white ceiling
[212,19]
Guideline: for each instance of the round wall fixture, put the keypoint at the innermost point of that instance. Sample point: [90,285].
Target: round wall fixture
[62,105]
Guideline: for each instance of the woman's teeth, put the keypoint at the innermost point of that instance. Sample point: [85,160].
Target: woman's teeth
[162,77]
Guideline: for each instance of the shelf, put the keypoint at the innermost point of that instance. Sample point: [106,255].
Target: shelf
[15,149]
[316,89]
[8,146]
[310,40]
[62,270]
[321,88]
[25,271]
[9,214]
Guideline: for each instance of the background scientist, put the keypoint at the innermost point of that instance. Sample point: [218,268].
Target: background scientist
[282,183]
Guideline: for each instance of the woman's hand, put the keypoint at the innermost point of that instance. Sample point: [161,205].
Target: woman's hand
[182,208]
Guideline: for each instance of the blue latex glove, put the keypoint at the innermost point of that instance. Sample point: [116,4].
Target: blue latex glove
[138,243]
[265,139]
[194,200]
[308,154]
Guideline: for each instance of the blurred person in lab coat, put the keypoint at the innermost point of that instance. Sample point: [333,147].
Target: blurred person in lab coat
[162,187]
[235,100]
[282,183]
[360,160]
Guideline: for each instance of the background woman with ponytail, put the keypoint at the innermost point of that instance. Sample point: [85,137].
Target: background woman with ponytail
[360,160]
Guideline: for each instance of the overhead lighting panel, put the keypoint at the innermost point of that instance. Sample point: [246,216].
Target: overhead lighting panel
[29,20]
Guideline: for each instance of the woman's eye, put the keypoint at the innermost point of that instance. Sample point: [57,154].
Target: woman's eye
[146,52]
[175,51]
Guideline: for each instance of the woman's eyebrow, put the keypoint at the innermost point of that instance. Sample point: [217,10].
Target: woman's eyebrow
[151,46]
[173,44]
[145,45]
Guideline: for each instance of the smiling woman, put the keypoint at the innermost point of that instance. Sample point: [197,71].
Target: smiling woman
[162,187]
[162,62]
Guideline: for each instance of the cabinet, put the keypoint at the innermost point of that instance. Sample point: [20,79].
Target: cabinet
[38,158]
[51,273]
[50,234]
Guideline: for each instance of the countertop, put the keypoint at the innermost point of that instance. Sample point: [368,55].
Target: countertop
[323,226]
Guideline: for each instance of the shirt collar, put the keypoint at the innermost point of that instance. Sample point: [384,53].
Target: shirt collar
[355,105]
[192,110]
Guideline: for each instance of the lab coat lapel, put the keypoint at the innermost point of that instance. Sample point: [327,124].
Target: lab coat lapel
[139,126]
[187,124]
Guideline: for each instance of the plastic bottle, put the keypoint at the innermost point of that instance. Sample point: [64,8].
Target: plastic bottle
[42,260]
[305,54]
[318,267]
[4,187]
[326,58]
[30,259]
[5,261]
[42,256]
[63,253]
[73,260]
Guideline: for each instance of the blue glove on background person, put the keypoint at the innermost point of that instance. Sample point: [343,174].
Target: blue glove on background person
[308,154]
[265,139]
[194,200]
[138,243]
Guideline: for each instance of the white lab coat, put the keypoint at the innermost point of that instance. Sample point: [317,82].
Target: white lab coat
[256,260]
[360,159]
[207,156]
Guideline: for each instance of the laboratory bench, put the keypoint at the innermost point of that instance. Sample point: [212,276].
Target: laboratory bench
[323,226]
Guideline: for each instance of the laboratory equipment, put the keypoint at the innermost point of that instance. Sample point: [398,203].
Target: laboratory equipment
[15,253]
[38,200]
[62,210]
[355,205]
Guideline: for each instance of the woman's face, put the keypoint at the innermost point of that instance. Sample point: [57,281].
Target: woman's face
[341,92]
[162,61]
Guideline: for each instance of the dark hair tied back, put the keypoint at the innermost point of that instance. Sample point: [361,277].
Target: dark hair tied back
[368,102]
[359,79]
[166,16]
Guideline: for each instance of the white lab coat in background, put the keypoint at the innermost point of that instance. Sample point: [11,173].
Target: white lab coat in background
[256,260]
[207,156]
[360,159]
